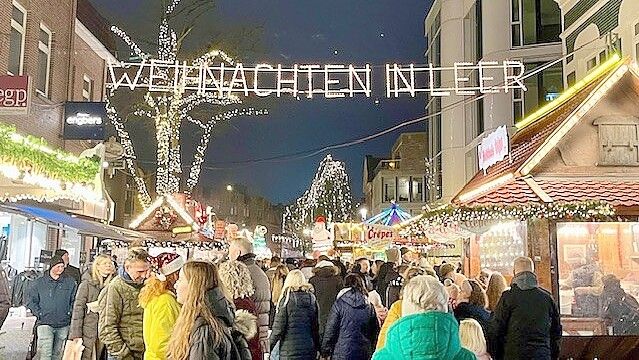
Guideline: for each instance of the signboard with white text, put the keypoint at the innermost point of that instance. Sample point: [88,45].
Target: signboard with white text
[309,80]
[14,95]
[84,120]
[493,148]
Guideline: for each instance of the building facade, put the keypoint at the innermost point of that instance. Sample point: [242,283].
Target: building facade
[400,178]
[484,30]
[592,29]
[63,48]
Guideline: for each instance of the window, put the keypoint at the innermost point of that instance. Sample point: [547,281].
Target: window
[571,79]
[233,211]
[44,60]
[403,189]
[417,189]
[543,88]
[618,140]
[473,53]
[388,189]
[591,63]
[16,39]
[433,56]
[535,22]
[597,284]
[87,88]
[636,40]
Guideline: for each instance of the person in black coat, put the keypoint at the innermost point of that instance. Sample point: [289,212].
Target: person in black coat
[327,283]
[525,324]
[296,328]
[69,270]
[471,304]
[352,327]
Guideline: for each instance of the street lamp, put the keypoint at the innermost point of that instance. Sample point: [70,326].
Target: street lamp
[363,212]
[229,187]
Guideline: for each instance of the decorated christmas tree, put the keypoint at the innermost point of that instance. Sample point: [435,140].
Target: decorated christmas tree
[329,195]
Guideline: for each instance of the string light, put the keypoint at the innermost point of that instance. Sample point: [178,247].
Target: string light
[199,245]
[329,195]
[450,215]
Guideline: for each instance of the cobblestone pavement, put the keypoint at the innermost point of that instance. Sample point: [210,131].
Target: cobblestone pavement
[15,337]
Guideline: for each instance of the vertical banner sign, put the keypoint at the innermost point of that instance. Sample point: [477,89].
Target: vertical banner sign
[220,227]
[14,95]
[493,148]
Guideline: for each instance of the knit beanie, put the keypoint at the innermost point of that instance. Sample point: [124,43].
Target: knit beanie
[445,270]
[55,260]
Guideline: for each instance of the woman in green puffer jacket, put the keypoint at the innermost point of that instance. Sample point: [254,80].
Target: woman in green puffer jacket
[426,330]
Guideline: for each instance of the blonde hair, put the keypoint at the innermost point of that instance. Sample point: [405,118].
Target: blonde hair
[425,293]
[278,281]
[472,337]
[236,278]
[496,286]
[295,281]
[201,277]
[95,272]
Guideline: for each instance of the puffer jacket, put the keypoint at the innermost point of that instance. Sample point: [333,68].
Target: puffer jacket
[84,323]
[296,327]
[262,296]
[201,343]
[121,319]
[160,315]
[465,310]
[394,314]
[424,336]
[352,328]
[327,284]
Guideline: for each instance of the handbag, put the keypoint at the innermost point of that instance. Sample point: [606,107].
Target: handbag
[73,350]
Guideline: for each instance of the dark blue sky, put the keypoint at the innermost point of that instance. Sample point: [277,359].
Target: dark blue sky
[302,31]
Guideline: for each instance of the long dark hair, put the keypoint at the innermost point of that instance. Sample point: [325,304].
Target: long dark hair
[355,281]
[477,295]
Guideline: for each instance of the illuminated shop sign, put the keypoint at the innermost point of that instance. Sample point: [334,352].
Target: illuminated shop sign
[84,120]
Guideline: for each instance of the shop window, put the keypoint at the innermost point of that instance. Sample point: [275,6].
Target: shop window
[388,189]
[501,244]
[417,189]
[403,189]
[16,39]
[598,267]
[618,140]
[44,60]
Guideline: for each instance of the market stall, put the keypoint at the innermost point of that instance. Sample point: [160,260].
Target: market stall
[566,195]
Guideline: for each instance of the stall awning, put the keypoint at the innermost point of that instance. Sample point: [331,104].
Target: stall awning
[85,227]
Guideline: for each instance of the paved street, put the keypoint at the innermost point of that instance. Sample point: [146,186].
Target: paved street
[15,337]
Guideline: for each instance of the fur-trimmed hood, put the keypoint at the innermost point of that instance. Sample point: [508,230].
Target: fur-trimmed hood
[326,271]
[245,323]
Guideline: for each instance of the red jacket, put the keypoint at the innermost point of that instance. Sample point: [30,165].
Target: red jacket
[254,344]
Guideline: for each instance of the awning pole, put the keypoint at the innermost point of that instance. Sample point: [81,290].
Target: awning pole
[30,226]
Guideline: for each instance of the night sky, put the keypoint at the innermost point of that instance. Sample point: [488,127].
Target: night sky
[299,31]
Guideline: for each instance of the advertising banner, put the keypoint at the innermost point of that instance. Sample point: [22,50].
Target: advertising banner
[14,95]
[84,120]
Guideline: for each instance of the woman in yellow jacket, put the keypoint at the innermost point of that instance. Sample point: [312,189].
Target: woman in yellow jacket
[161,308]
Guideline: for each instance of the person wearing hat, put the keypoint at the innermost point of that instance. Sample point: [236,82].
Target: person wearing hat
[327,284]
[50,299]
[69,270]
[161,308]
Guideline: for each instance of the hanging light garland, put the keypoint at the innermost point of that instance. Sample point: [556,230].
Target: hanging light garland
[204,246]
[452,215]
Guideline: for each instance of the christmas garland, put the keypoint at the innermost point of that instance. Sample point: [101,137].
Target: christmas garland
[31,153]
[449,215]
[212,245]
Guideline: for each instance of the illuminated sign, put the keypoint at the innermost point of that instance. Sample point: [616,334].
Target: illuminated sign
[14,95]
[329,81]
[493,148]
[84,120]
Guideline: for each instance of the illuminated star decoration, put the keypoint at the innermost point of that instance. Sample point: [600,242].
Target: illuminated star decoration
[168,109]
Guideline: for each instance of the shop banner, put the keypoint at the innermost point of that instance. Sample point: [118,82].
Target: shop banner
[14,95]
[493,148]
[347,232]
[220,227]
[377,236]
[84,120]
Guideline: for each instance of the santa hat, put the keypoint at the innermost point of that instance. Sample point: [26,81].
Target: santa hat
[320,219]
[167,264]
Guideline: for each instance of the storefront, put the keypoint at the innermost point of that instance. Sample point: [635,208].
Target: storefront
[567,196]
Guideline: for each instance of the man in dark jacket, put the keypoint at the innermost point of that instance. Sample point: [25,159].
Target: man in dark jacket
[362,268]
[242,250]
[69,270]
[51,301]
[327,283]
[525,324]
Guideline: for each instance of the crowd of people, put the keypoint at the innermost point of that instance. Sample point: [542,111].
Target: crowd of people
[241,308]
